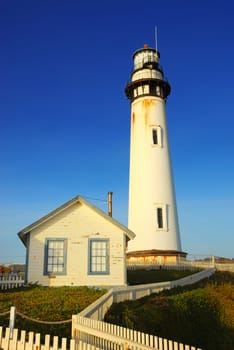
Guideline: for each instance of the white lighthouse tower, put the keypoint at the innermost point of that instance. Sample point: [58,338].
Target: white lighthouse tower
[152,209]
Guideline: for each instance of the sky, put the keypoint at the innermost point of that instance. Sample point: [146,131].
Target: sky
[65,119]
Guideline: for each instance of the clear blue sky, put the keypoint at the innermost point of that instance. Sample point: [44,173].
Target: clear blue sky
[65,119]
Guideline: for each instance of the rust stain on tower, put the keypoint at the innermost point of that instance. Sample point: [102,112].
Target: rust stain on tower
[147,104]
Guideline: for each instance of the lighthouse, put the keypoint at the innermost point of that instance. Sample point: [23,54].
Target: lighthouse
[152,212]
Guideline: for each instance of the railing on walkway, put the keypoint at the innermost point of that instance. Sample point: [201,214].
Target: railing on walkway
[107,336]
[11,281]
[191,263]
[224,267]
[32,341]
[97,310]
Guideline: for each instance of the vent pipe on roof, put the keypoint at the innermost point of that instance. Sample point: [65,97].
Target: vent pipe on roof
[110,203]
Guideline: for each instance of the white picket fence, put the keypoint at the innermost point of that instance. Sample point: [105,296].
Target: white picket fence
[108,336]
[11,281]
[31,341]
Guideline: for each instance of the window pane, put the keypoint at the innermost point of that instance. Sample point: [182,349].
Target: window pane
[50,252]
[155,136]
[55,256]
[160,217]
[49,268]
[158,90]
[99,256]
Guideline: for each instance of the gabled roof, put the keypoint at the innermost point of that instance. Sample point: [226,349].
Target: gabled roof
[22,234]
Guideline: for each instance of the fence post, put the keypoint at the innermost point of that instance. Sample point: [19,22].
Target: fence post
[12,321]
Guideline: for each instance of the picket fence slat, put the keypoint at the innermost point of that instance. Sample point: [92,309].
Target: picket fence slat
[7,339]
[0,335]
[72,344]
[55,343]
[64,343]
[13,341]
[21,342]
[37,341]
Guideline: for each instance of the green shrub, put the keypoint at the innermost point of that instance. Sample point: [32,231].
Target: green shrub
[139,276]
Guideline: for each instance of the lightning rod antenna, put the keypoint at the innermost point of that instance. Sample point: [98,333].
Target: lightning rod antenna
[156,37]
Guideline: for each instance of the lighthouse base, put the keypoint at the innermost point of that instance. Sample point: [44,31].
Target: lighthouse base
[155,257]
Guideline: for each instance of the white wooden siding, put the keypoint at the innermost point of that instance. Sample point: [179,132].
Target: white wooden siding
[78,223]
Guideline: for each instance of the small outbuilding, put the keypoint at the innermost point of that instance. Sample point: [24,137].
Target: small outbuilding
[76,244]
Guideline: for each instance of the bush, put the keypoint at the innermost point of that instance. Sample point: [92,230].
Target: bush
[135,277]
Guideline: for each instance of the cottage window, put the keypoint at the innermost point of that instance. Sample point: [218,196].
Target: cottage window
[98,256]
[55,256]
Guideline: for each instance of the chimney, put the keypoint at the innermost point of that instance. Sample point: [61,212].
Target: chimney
[110,203]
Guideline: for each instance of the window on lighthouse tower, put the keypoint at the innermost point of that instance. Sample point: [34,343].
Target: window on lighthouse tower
[162,217]
[156,136]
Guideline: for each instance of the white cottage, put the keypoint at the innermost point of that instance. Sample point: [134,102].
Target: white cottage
[76,244]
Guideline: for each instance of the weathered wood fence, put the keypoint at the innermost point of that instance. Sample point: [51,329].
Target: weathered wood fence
[11,281]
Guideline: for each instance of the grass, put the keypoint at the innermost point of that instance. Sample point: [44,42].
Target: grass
[47,304]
